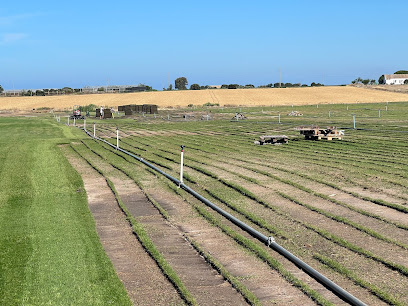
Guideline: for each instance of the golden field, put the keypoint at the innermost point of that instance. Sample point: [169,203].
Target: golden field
[224,97]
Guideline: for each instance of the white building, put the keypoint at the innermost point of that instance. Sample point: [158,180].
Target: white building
[395,79]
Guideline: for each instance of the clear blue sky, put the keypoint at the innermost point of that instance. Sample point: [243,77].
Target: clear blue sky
[52,44]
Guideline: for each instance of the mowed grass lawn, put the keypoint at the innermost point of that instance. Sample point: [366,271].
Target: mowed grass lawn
[50,252]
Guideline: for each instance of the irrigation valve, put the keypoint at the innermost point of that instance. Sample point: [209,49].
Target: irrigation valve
[270,240]
[181,164]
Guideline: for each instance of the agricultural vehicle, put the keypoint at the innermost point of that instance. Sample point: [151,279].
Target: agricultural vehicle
[76,113]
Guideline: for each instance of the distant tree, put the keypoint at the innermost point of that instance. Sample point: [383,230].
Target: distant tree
[39,93]
[316,84]
[181,83]
[101,89]
[1,89]
[233,86]
[406,82]
[381,80]
[195,87]
[304,85]
[277,85]
[170,87]
[372,82]
[401,72]
[365,82]
[67,90]
[224,86]
[250,86]
[288,85]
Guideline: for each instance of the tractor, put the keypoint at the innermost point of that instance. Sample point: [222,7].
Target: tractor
[76,113]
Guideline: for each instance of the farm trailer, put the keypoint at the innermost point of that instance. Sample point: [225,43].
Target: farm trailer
[317,133]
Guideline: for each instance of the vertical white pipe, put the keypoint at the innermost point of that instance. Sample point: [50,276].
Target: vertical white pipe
[354,121]
[85,124]
[181,164]
[379,113]
[94,130]
[279,118]
[329,114]
[117,138]
[74,121]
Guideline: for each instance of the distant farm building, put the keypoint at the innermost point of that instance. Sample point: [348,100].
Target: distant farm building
[395,79]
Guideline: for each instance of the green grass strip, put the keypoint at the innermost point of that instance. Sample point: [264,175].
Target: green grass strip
[149,246]
[344,220]
[263,255]
[325,197]
[344,243]
[244,291]
[250,216]
[146,242]
[362,283]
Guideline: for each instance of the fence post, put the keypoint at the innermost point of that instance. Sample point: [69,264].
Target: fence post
[279,118]
[329,114]
[354,121]
[74,121]
[379,113]
[94,130]
[117,138]
[181,164]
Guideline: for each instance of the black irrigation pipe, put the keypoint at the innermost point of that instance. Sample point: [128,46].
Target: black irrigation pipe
[269,241]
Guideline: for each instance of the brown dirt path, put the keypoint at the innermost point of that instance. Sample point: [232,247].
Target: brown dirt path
[204,283]
[140,275]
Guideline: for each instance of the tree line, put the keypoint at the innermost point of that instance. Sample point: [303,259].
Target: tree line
[182,82]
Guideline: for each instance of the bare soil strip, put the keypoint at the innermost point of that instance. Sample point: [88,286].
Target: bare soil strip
[140,275]
[205,284]
[265,283]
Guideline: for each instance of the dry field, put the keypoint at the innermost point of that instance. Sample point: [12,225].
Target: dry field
[250,97]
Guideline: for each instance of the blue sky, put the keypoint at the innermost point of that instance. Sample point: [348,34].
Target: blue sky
[52,44]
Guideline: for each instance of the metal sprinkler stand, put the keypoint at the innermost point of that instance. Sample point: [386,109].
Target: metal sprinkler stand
[181,164]
[117,138]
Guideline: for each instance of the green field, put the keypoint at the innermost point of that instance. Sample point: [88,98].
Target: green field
[49,249]
[340,206]
[346,201]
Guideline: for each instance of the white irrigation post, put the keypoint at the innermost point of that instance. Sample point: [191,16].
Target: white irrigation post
[329,114]
[354,121]
[74,121]
[279,118]
[117,138]
[347,107]
[168,117]
[386,108]
[94,130]
[181,164]
[317,105]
